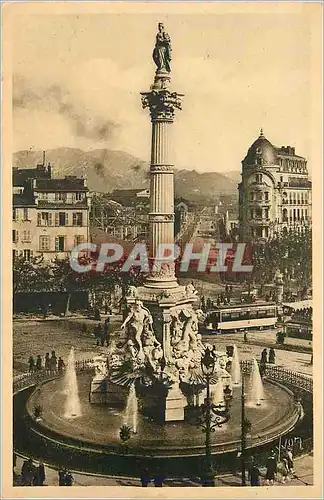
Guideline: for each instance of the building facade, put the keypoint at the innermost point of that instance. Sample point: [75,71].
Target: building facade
[50,216]
[275,191]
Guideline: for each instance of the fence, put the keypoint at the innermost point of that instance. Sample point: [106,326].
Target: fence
[279,374]
[25,380]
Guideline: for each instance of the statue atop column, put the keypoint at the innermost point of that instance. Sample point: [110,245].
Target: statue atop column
[162,50]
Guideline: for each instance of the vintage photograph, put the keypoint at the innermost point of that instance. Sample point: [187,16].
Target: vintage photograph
[162,200]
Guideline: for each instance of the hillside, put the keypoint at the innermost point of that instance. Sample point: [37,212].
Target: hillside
[107,170]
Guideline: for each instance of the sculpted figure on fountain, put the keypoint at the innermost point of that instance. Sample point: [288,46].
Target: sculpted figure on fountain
[136,319]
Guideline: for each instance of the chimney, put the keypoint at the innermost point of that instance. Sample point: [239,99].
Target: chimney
[44,158]
[49,170]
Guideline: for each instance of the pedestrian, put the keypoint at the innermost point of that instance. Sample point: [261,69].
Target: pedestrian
[254,474]
[245,336]
[47,363]
[272,356]
[38,363]
[264,356]
[39,477]
[61,476]
[271,468]
[145,478]
[158,478]
[60,365]
[283,469]
[31,363]
[97,314]
[290,460]
[69,479]
[53,362]
[97,333]
[28,471]
[106,331]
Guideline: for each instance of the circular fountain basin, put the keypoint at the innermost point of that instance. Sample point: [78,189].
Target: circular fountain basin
[97,429]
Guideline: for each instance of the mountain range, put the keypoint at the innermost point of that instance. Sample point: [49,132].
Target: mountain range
[107,170]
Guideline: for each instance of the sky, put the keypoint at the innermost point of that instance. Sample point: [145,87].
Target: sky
[77,80]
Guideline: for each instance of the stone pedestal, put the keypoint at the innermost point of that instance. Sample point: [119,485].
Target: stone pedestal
[98,390]
[175,404]
[106,392]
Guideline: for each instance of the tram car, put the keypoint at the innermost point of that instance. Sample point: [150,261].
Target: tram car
[240,317]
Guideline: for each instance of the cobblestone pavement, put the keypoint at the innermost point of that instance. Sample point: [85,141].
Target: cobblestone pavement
[303,475]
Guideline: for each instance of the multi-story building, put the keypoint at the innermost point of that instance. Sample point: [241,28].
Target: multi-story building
[50,216]
[275,191]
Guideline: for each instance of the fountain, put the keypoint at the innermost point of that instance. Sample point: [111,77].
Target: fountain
[158,349]
[131,410]
[217,393]
[256,385]
[72,408]
[235,367]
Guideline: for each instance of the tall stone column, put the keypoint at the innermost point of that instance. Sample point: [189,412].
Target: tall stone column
[162,103]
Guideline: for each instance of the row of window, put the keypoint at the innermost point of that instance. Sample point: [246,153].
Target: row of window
[60,243]
[295,214]
[258,196]
[63,197]
[47,219]
[45,240]
[27,254]
[59,219]
[25,236]
[15,214]
[258,213]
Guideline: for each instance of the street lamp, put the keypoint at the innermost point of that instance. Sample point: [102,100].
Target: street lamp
[211,416]
[245,428]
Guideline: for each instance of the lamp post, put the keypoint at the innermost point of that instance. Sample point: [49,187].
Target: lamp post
[245,427]
[211,416]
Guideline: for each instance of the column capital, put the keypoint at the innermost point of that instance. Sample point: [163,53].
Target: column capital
[162,104]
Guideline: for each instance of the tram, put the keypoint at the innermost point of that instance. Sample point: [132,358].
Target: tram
[233,318]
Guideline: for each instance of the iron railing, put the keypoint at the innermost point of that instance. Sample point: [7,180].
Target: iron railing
[279,374]
[25,380]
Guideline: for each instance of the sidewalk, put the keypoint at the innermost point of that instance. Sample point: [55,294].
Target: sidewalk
[303,475]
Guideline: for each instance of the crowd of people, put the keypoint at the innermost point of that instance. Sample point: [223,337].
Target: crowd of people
[279,467]
[50,364]
[34,474]
[304,314]
[31,474]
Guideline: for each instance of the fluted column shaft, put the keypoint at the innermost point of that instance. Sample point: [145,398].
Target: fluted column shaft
[162,104]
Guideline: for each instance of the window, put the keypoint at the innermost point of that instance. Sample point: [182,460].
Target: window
[25,213]
[266,232]
[60,243]
[14,236]
[258,212]
[14,214]
[266,213]
[77,219]
[62,219]
[251,214]
[43,219]
[60,197]
[14,255]
[78,196]
[252,196]
[26,235]
[43,196]
[266,196]
[258,178]
[44,243]
[27,254]
[78,239]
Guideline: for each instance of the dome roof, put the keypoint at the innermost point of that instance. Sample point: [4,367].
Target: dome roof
[262,152]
